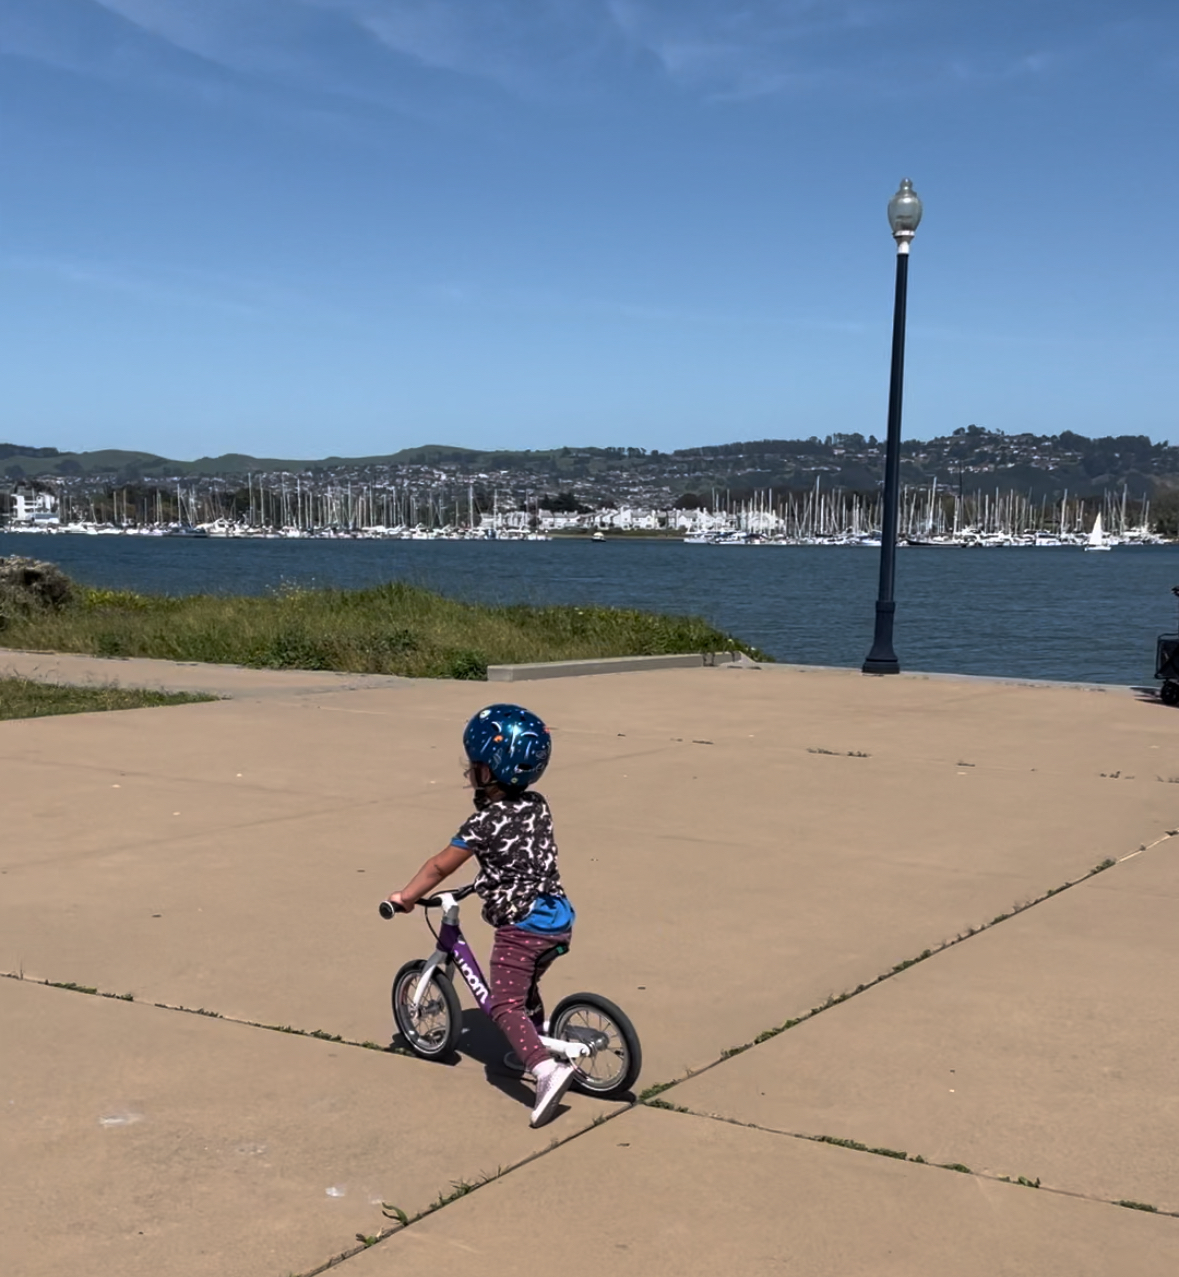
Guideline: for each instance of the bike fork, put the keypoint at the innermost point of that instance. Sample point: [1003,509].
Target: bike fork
[437,959]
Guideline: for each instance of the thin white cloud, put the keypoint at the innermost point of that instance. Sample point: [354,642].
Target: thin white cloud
[757,48]
[550,304]
[251,36]
[385,52]
[167,285]
[528,47]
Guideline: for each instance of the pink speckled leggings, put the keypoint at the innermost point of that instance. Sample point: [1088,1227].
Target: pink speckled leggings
[518,960]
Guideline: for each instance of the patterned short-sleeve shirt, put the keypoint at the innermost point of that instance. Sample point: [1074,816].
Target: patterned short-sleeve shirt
[512,838]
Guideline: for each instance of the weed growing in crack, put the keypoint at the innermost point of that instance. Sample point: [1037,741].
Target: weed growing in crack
[458,1188]
[1130,1205]
[652,1091]
[781,1028]
[956,1166]
[856,1146]
[663,1104]
[840,1143]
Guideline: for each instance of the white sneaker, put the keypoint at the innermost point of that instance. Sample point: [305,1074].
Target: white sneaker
[552,1081]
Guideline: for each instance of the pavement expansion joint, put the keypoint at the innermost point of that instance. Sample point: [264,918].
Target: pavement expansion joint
[458,1188]
[402,1220]
[647,1097]
[323,1035]
[916,1159]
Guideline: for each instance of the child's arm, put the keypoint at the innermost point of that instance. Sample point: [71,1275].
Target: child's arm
[430,875]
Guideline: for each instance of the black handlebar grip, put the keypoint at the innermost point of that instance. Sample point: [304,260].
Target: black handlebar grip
[387,909]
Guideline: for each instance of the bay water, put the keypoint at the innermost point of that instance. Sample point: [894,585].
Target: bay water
[1044,613]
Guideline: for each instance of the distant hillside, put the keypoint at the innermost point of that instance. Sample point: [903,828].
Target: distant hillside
[970,459]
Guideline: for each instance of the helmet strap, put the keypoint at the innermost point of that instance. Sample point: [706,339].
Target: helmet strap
[486,786]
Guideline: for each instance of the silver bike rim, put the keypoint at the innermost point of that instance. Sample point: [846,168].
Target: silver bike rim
[430,1019]
[603,1069]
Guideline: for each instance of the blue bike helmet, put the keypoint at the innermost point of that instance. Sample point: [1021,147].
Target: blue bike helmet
[513,742]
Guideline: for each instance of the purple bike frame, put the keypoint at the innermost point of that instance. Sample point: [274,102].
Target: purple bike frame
[453,944]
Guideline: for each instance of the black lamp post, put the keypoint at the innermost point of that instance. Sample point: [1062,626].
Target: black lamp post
[904,214]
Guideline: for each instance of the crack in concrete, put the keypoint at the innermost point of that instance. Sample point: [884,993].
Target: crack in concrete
[836,999]
[648,1098]
[916,1159]
[459,1189]
[321,1035]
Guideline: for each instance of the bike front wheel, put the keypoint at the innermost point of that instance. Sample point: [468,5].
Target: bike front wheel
[616,1056]
[432,1028]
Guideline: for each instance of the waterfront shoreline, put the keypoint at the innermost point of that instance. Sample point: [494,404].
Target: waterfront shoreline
[1057,614]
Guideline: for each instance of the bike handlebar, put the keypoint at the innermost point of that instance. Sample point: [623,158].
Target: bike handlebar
[388,909]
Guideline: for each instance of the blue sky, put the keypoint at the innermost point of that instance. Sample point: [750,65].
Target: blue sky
[311,227]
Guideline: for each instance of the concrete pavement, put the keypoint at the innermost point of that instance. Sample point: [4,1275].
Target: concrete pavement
[742,846]
[658,1194]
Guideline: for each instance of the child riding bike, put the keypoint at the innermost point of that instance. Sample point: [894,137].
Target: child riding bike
[510,834]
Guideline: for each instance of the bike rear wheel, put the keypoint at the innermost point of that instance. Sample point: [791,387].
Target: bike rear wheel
[432,1028]
[616,1058]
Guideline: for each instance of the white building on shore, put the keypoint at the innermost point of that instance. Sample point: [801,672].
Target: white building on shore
[33,506]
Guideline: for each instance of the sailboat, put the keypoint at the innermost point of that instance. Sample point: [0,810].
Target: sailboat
[1097,538]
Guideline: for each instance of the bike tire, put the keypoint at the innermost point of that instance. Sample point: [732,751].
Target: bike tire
[592,1012]
[432,1030]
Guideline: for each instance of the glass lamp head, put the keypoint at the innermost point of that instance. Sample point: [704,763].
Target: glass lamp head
[904,213]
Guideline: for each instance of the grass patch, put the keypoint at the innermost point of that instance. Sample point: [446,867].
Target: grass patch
[394,628]
[31,698]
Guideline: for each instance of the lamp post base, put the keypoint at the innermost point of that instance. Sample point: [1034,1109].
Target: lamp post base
[882,659]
